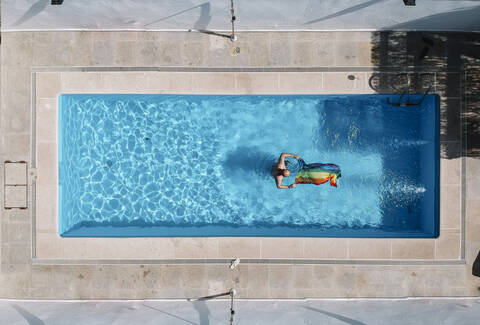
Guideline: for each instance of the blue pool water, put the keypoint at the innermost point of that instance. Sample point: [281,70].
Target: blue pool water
[195,165]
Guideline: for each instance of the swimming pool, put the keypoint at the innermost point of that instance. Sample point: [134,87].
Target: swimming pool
[198,165]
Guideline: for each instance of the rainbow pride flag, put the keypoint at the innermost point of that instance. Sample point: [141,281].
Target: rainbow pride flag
[317,174]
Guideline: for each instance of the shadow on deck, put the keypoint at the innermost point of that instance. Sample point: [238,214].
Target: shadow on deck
[457,57]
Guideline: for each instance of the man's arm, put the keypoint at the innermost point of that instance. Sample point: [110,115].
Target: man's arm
[283,155]
[278,180]
[280,186]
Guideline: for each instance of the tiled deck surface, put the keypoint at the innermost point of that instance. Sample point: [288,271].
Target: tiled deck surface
[424,268]
[49,245]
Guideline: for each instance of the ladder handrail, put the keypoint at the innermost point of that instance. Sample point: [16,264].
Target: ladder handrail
[406,92]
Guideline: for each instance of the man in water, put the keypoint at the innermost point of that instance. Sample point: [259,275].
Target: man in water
[280,171]
[316,173]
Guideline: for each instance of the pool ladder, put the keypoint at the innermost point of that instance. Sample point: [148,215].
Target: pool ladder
[405,91]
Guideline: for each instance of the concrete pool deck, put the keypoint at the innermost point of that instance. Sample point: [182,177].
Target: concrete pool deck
[53,248]
[36,66]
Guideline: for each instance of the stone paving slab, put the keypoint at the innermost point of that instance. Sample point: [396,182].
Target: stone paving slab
[15,173]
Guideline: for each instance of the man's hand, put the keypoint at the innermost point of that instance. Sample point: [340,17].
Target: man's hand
[292,185]
[297,156]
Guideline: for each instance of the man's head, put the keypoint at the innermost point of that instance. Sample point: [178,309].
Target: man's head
[286,173]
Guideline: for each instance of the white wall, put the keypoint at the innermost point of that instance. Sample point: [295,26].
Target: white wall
[444,15]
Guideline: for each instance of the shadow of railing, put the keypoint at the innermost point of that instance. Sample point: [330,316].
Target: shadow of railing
[209,32]
[451,55]
[202,21]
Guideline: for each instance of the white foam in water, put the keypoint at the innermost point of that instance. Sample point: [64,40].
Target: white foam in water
[408,143]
